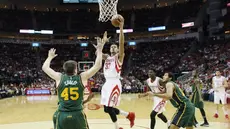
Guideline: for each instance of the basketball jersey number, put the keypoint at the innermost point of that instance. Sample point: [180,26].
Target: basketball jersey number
[70,94]
[107,65]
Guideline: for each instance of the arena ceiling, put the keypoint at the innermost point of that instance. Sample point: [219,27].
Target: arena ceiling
[58,3]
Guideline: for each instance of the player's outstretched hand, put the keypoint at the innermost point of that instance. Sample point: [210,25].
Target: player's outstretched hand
[101,42]
[121,20]
[52,53]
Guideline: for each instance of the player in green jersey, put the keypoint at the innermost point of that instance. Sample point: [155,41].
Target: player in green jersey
[70,89]
[196,98]
[184,117]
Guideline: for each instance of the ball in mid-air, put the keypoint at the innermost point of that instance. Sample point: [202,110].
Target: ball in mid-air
[116,19]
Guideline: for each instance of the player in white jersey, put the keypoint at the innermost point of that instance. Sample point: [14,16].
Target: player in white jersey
[153,83]
[219,84]
[112,89]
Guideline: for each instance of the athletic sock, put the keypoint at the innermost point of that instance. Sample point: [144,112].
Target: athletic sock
[225,112]
[124,113]
[116,125]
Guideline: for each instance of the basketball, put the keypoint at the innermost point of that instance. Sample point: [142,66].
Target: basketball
[116,20]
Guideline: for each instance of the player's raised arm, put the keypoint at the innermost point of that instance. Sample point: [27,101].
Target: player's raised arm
[106,39]
[121,41]
[46,66]
[98,63]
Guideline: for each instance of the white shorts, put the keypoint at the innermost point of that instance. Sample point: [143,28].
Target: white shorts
[111,93]
[220,96]
[159,105]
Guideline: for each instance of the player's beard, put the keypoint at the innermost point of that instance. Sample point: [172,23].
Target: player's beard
[113,53]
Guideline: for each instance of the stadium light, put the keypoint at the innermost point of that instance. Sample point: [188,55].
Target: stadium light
[189,24]
[125,31]
[24,31]
[132,43]
[157,28]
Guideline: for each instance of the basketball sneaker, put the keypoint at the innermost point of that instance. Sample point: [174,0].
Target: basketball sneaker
[131,118]
[226,116]
[216,115]
[205,125]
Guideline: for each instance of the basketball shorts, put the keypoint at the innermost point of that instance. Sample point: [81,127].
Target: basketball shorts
[220,97]
[184,117]
[111,93]
[159,104]
[55,118]
[71,120]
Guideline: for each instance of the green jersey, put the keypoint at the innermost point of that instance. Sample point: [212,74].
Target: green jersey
[70,93]
[196,94]
[178,98]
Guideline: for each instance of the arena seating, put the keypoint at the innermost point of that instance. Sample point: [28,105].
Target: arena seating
[85,20]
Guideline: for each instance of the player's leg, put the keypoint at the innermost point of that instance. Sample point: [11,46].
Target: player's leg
[205,124]
[129,115]
[189,116]
[184,116]
[216,102]
[163,117]
[224,108]
[113,115]
[153,119]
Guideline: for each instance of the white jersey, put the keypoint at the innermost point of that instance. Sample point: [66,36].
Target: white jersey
[159,103]
[154,85]
[218,83]
[112,68]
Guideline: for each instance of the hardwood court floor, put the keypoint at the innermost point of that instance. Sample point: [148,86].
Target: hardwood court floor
[35,112]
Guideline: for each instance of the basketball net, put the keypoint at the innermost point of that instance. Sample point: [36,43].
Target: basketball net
[108,8]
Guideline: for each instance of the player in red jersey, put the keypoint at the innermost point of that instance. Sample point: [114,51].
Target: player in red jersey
[112,89]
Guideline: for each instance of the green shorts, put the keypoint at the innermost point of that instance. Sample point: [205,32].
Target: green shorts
[70,120]
[196,100]
[184,117]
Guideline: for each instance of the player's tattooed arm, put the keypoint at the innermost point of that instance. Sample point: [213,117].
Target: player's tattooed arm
[46,66]
[168,94]
[121,42]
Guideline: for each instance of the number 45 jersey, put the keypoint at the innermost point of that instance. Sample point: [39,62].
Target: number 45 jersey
[70,93]
[112,68]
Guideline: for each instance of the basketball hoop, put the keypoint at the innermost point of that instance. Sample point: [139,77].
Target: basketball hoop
[108,8]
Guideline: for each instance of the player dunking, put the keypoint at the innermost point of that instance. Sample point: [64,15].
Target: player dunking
[70,89]
[219,84]
[153,83]
[184,116]
[111,90]
[196,98]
